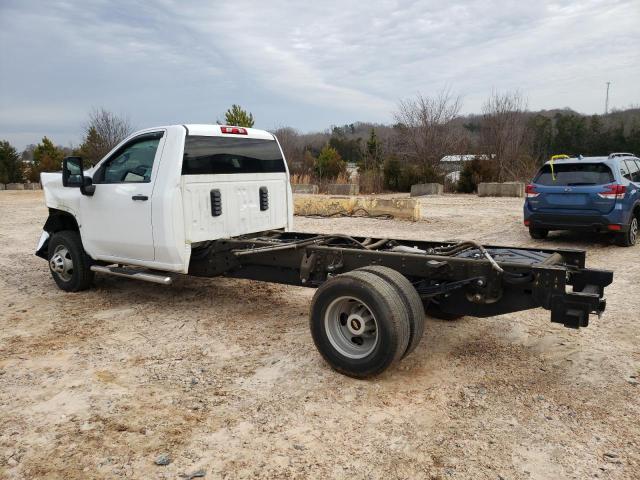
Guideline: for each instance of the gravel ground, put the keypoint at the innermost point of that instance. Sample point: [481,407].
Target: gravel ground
[221,375]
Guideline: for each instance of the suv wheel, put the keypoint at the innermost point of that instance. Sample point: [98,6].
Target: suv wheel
[630,237]
[538,233]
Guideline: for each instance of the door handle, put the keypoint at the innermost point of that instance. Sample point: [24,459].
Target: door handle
[144,198]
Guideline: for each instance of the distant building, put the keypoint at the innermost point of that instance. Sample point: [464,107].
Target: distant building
[452,165]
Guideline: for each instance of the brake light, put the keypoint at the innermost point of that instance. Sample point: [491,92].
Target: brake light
[614,228]
[530,191]
[613,192]
[234,130]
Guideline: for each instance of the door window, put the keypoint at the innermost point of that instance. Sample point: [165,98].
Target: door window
[132,163]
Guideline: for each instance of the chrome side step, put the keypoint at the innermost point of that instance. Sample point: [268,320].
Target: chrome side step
[133,273]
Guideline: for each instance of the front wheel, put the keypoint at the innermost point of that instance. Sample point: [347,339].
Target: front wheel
[69,264]
[630,237]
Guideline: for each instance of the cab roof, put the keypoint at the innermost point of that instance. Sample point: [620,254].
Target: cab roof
[213,130]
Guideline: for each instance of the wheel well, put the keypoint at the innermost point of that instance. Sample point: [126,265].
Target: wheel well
[59,220]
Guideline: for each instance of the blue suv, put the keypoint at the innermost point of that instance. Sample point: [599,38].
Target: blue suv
[600,194]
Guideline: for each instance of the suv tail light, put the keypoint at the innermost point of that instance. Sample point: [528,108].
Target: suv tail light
[530,191]
[613,192]
[234,130]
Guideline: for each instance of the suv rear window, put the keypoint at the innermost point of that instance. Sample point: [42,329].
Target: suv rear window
[568,174]
[218,155]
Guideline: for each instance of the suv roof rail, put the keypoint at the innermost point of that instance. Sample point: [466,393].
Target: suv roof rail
[621,154]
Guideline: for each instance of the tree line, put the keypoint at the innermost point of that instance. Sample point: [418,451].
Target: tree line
[508,142]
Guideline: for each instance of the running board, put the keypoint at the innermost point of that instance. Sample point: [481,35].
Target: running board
[134,274]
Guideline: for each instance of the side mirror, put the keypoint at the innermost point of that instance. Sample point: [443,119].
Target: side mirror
[72,172]
[73,176]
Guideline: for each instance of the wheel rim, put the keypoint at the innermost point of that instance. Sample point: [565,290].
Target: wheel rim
[633,231]
[61,263]
[351,327]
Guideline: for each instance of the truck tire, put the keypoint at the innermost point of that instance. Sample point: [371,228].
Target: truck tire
[538,233]
[68,262]
[359,323]
[411,300]
[630,237]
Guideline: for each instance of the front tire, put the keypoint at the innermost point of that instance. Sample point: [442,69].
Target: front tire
[69,264]
[630,237]
[359,323]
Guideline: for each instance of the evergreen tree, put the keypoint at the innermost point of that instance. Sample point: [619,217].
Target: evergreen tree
[373,152]
[329,163]
[238,117]
[46,158]
[93,147]
[10,164]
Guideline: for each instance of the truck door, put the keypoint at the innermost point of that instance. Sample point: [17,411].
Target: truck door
[116,220]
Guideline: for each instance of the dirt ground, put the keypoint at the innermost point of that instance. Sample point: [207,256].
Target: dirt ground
[221,375]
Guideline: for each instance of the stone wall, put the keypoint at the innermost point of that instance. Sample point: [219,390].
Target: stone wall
[343,189]
[508,189]
[426,189]
[405,208]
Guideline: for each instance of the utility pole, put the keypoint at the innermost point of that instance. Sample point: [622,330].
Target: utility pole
[606,102]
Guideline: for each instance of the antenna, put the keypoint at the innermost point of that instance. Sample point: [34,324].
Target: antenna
[606,102]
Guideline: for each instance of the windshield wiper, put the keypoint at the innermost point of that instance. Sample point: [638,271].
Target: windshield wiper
[576,184]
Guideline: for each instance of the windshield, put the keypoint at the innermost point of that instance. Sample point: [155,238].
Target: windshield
[218,155]
[570,174]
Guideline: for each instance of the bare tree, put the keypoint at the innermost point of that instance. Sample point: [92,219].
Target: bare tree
[103,131]
[505,136]
[291,144]
[427,131]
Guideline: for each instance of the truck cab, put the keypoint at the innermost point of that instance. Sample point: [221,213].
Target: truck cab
[163,190]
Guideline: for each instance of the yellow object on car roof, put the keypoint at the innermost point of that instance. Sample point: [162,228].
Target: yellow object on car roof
[559,157]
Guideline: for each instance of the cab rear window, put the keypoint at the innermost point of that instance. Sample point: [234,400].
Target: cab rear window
[569,174]
[219,155]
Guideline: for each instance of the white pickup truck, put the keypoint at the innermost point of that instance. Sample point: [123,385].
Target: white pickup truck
[211,200]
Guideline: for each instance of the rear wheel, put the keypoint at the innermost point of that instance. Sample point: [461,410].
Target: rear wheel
[69,264]
[538,233]
[411,299]
[630,237]
[359,323]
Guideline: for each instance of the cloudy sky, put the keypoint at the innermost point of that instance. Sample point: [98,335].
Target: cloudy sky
[301,64]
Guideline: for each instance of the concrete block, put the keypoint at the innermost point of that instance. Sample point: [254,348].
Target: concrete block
[1,186]
[15,186]
[32,186]
[304,188]
[405,208]
[507,189]
[343,189]
[426,189]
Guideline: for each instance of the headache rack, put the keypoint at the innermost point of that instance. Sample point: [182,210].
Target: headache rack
[459,278]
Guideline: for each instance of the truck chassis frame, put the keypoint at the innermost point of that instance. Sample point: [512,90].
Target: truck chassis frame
[466,283]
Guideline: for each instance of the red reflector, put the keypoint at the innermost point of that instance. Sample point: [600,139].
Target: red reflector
[530,191]
[527,223]
[613,192]
[234,130]
[615,228]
